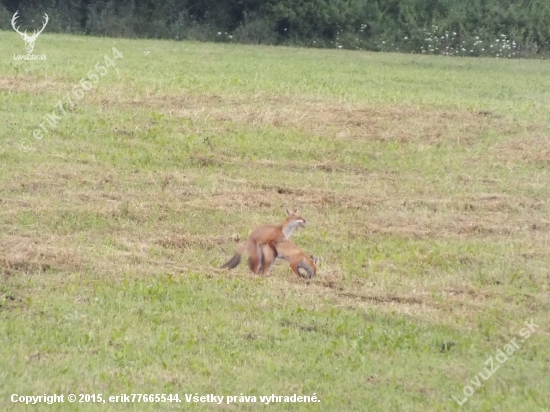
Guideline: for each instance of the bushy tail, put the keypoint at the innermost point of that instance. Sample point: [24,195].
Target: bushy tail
[233,262]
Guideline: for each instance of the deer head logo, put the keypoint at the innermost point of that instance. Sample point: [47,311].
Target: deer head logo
[29,40]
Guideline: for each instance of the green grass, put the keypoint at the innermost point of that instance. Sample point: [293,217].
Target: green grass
[424,180]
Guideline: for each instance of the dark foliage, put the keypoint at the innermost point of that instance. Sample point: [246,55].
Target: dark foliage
[406,25]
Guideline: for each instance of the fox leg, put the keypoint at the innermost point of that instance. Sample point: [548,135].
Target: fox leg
[267,258]
[254,264]
[271,245]
[262,260]
[255,260]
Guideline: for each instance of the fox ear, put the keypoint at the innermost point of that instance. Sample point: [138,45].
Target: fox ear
[315,259]
[289,212]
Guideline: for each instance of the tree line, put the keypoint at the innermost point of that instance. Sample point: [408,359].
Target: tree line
[507,28]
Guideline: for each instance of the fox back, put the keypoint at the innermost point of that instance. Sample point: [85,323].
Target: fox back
[277,233]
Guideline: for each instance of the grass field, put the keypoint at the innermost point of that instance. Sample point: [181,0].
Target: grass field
[424,179]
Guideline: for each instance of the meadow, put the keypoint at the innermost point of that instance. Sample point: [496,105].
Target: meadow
[424,180]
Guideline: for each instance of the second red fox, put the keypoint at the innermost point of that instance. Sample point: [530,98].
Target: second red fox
[287,250]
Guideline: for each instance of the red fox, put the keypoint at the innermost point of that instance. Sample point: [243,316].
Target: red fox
[266,235]
[287,250]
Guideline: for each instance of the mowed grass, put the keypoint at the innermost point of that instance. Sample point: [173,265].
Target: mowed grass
[424,179]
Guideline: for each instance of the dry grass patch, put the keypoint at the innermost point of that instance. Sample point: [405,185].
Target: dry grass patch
[531,149]
[289,165]
[182,242]
[456,225]
[33,254]
[25,83]
[335,119]
[268,196]
[440,305]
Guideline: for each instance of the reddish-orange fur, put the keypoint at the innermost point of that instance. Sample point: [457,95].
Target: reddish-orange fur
[297,258]
[267,235]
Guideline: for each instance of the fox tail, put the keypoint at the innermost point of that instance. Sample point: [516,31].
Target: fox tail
[236,259]
[233,262]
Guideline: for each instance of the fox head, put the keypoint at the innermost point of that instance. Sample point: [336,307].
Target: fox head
[295,219]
